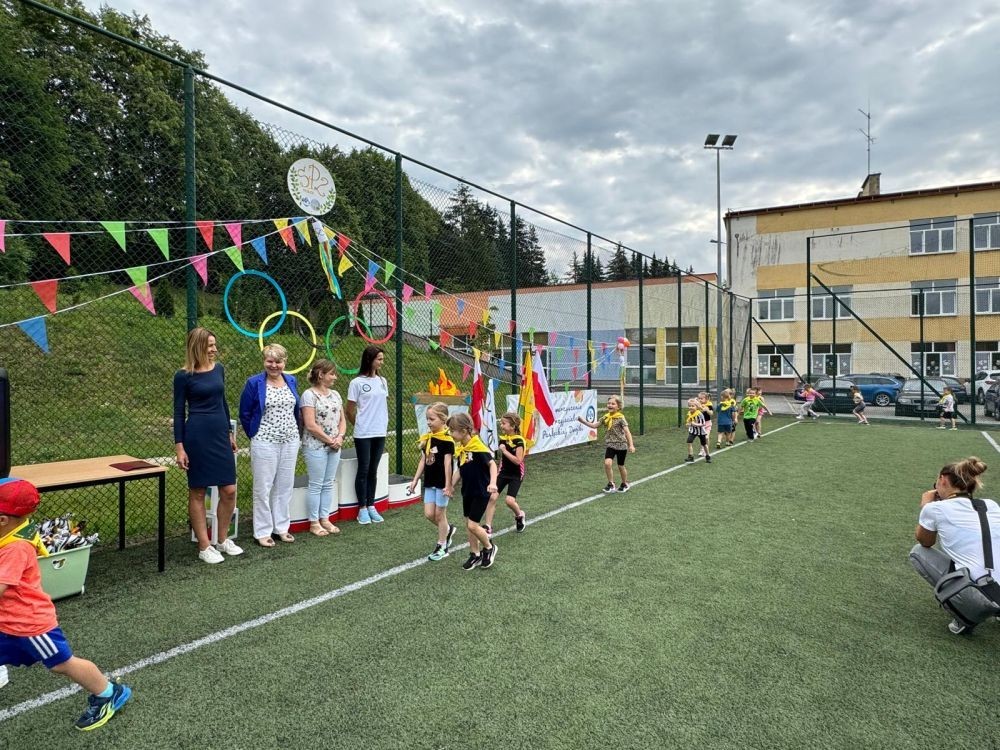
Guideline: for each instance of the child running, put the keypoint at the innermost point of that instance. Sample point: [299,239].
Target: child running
[29,630]
[617,442]
[859,405]
[477,471]
[810,395]
[947,406]
[750,409]
[511,471]
[696,429]
[762,412]
[436,451]
[709,411]
[727,418]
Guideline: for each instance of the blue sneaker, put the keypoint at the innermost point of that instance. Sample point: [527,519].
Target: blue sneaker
[100,710]
[376,518]
[363,517]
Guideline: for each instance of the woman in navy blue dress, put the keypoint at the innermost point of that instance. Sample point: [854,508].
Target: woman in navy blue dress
[204,442]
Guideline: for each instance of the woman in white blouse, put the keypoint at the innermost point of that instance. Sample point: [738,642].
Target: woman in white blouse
[325,428]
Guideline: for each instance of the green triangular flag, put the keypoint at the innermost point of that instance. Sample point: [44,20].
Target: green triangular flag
[437,308]
[160,237]
[434,344]
[137,274]
[235,256]
[117,230]
[408,313]
[566,388]
[389,268]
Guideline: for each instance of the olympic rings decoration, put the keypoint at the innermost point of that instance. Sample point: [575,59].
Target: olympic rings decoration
[281,295]
[342,370]
[390,312]
[300,316]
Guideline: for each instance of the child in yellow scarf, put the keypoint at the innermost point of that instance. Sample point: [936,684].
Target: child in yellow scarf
[477,471]
[618,442]
[436,450]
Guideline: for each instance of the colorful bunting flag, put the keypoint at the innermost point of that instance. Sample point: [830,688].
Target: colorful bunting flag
[36,331]
[473,329]
[303,230]
[466,369]
[138,275]
[3,238]
[434,344]
[235,256]
[46,291]
[496,339]
[372,268]
[235,231]
[502,364]
[407,292]
[460,306]
[574,372]
[408,313]
[428,290]
[287,236]
[59,241]
[207,229]
[553,336]
[486,316]
[390,269]
[200,263]
[145,296]
[343,242]
[445,339]
[162,240]
[117,230]
[345,263]
[436,308]
[511,327]
[260,246]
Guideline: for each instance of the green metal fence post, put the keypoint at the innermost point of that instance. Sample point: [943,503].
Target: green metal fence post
[974,400]
[708,344]
[809,330]
[399,313]
[642,371]
[515,333]
[190,196]
[680,351]
[590,289]
[923,350]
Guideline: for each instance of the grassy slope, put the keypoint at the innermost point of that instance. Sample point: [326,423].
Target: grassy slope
[762,601]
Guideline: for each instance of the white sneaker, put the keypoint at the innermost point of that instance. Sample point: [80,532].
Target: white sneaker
[210,555]
[230,548]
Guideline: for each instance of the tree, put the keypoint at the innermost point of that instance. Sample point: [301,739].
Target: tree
[574,275]
[619,267]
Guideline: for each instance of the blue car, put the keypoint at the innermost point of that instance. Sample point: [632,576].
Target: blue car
[878,390]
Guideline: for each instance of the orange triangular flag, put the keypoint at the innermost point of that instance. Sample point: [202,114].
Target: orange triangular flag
[46,291]
[60,241]
[207,229]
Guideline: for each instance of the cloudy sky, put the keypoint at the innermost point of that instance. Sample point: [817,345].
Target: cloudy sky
[597,111]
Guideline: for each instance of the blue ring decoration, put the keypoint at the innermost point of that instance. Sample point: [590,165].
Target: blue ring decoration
[281,294]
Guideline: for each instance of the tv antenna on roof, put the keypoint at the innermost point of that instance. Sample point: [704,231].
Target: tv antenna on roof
[867,133]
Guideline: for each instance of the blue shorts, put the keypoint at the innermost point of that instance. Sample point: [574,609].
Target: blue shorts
[51,649]
[435,496]
[726,426]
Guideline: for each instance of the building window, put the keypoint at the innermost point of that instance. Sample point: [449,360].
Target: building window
[939,358]
[829,360]
[776,304]
[822,304]
[988,355]
[939,297]
[988,295]
[932,235]
[775,361]
[986,231]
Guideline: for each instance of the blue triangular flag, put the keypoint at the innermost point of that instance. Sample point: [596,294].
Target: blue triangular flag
[502,364]
[35,328]
[261,247]
[572,342]
[372,269]
[460,304]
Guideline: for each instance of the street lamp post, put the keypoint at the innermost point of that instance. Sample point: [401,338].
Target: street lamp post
[712,142]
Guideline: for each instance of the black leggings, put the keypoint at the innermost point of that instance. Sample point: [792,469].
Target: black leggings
[749,425]
[369,452]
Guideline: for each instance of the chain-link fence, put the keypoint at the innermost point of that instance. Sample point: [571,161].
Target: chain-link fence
[137,200]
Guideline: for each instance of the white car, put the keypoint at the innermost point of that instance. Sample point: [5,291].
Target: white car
[984,379]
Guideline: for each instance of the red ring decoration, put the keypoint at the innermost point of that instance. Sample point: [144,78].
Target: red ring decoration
[390,308]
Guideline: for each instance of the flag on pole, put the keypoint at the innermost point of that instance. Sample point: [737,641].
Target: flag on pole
[535,397]
[484,412]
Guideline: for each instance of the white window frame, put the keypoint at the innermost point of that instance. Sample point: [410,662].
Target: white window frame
[943,351]
[986,231]
[844,358]
[988,295]
[776,304]
[825,303]
[939,294]
[987,352]
[932,236]
[768,353]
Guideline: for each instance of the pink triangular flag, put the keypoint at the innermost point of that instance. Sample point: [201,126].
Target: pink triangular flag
[428,290]
[144,296]
[200,263]
[207,229]
[369,283]
[60,241]
[407,292]
[466,369]
[46,291]
[3,240]
[236,233]
[574,372]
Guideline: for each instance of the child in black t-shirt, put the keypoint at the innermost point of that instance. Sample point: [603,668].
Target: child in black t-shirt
[477,471]
[436,451]
[512,450]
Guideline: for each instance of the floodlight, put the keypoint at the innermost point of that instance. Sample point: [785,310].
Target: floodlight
[728,141]
[711,139]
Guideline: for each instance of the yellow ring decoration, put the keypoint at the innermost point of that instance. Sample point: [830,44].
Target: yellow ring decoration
[304,319]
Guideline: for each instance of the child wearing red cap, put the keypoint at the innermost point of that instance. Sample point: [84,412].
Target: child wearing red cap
[29,630]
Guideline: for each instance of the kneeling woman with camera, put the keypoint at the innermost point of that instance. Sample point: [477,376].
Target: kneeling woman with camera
[966,531]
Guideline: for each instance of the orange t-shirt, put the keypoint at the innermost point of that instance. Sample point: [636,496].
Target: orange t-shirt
[25,610]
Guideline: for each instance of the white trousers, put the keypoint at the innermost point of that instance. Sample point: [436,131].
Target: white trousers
[273,467]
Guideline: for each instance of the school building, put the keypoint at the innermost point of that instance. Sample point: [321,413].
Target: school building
[916,266]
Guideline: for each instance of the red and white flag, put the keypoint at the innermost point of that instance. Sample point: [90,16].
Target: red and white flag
[483,408]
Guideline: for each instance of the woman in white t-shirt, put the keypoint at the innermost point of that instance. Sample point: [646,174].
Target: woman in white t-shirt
[948,519]
[368,411]
[325,429]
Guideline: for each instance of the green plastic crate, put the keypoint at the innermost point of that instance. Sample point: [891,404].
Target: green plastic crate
[65,573]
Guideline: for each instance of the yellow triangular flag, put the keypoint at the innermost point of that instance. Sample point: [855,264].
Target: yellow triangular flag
[304,231]
[496,339]
[344,265]
[486,316]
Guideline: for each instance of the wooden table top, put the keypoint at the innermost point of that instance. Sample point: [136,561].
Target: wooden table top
[57,473]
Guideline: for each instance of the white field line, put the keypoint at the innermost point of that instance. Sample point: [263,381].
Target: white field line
[993,442]
[220,635]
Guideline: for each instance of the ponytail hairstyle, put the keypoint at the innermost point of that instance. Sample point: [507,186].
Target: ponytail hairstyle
[462,422]
[441,409]
[964,474]
[514,420]
[320,368]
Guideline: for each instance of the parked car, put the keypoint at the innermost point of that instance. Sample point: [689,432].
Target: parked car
[984,379]
[991,400]
[880,390]
[894,375]
[909,402]
[958,389]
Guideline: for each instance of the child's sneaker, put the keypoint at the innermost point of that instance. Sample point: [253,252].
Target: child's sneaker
[472,562]
[363,517]
[609,487]
[519,522]
[718,446]
[440,553]
[447,539]
[623,487]
[708,459]
[954,428]
[100,710]
[489,555]
[689,458]
[942,427]
[374,515]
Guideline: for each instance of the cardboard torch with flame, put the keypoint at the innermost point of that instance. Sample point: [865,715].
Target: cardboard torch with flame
[443,386]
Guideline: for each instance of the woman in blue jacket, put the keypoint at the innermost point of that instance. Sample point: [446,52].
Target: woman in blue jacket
[269,413]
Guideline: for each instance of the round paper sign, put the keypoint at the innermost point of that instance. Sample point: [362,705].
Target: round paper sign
[311,187]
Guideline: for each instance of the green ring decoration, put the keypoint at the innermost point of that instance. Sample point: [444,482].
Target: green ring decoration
[329,330]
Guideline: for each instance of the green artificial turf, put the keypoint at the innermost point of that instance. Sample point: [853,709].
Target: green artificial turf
[762,601]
